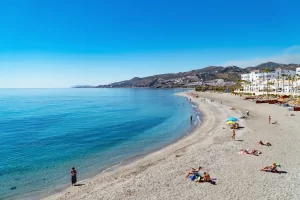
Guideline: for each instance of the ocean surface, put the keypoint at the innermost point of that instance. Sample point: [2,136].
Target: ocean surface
[45,132]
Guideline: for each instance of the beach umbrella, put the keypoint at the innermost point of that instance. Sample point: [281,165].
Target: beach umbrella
[230,122]
[232,119]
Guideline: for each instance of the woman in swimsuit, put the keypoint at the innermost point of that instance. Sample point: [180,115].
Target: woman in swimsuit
[193,171]
[270,168]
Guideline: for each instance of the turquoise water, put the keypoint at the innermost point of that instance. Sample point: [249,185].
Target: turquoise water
[45,132]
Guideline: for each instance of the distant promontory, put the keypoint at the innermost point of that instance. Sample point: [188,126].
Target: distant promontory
[212,75]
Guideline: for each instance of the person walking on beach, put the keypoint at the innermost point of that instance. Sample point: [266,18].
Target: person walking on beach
[73,176]
[269,119]
[233,134]
[247,112]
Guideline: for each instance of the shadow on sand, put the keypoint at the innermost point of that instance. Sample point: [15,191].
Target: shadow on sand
[282,172]
[78,185]
[239,140]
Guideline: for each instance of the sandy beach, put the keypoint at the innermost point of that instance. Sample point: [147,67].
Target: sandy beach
[161,175]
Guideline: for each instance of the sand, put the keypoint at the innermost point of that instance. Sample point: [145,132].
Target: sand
[161,175]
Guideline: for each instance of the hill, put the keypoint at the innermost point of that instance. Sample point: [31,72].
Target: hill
[224,75]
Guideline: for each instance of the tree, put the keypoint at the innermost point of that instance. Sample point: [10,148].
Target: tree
[277,78]
[289,78]
[267,71]
[240,83]
[283,76]
[297,77]
[293,78]
[263,72]
[249,83]
[270,83]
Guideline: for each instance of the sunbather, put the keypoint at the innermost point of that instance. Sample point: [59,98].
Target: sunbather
[274,122]
[272,168]
[260,142]
[267,143]
[206,177]
[193,171]
[252,152]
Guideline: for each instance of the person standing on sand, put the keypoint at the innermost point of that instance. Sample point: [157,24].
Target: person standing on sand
[73,176]
[247,113]
[269,119]
[233,134]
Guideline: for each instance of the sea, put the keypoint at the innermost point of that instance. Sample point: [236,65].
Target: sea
[46,132]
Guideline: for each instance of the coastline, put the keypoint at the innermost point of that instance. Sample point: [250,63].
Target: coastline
[114,167]
[134,160]
[85,173]
[161,174]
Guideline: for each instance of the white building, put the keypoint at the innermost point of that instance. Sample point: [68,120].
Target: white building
[277,80]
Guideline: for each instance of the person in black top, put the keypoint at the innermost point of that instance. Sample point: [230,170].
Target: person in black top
[73,176]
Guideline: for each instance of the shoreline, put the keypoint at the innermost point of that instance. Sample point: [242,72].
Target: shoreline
[118,166]
[161,174]
[132,160]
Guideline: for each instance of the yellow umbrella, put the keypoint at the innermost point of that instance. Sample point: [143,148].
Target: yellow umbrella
[230,122]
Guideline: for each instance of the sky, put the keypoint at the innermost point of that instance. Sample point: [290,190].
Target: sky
[57,44]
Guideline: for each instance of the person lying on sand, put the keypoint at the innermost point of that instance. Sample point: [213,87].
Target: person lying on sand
[272,168]
[274,122]
[267,143]
[260,142]
[193,171]
[252,152]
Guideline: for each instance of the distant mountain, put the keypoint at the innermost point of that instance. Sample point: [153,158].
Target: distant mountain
[182,79]
[273,66]
[205,75]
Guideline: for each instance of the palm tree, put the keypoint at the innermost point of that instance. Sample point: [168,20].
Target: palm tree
[297,77]
[267,70]
[289,78]
[248,83]
[270,83]
[283,76]
[240,83]
[293,78]
[277,79]
[263,72]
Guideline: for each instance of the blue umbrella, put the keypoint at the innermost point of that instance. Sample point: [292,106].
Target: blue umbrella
[232,119]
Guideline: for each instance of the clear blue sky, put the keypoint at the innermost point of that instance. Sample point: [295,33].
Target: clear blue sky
[64,43]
